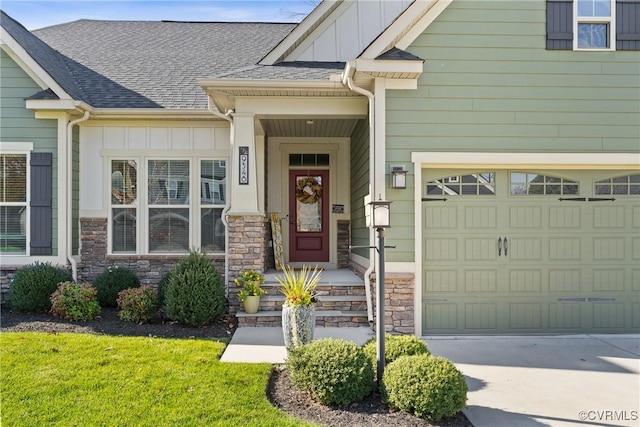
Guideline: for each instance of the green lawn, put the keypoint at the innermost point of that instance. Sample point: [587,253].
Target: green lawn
[95,380]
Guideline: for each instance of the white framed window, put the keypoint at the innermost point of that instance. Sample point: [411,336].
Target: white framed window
[594,25]
[179,202]
[472,184]
[535,184]
[14,208]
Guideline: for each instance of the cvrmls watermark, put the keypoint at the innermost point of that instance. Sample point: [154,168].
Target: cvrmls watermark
[608,415]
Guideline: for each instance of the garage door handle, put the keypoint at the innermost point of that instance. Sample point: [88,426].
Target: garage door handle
[506,246]
[499,246]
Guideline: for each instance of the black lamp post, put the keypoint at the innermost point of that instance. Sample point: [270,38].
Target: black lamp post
[380,219]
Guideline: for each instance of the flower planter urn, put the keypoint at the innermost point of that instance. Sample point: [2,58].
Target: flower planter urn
[251,304]
[298,324]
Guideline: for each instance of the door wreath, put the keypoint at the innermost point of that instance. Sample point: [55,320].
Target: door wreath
[308,190]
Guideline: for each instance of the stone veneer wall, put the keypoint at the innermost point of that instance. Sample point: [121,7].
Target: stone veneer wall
[149,268]
[248,249]
[344,239]
[398,302]
[6,276]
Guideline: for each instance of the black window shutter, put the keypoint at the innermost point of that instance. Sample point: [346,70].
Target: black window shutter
[560,24]
[41,203]
[628,25]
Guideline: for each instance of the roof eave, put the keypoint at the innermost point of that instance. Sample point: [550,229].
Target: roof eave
[29,65]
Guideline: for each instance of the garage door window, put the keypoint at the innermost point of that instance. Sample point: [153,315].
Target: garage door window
[621,185]
[534,184]
[473,184]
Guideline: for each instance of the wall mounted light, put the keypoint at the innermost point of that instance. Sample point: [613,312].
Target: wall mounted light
[398,177]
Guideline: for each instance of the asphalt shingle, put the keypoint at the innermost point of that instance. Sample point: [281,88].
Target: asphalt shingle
[143,64]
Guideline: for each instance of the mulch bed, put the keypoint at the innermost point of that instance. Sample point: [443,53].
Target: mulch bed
[282,394]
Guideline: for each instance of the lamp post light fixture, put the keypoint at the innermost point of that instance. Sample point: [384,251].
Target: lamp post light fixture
[398,177]
[380,219]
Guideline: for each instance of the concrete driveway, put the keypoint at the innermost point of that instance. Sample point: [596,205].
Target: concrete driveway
[582,380]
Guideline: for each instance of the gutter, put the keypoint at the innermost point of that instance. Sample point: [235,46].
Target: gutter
[347,80]
[228,117]
[69,255]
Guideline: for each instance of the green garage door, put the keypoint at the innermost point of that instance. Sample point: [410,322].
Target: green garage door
[527,251]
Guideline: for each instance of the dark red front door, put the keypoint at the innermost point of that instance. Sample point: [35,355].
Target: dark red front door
[309,216]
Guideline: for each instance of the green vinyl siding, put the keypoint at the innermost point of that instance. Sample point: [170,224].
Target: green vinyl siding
[489,84]
[359,180]
[17,124]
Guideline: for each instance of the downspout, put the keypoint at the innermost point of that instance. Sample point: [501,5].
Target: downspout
[72,261]
[347,80]
[228,117]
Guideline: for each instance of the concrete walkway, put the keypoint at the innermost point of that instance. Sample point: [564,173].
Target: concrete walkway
[533,381]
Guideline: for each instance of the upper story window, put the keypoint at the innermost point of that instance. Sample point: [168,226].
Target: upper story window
[590,25]
[13,204]
[594,24]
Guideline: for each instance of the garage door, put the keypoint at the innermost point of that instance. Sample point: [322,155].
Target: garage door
[529,251]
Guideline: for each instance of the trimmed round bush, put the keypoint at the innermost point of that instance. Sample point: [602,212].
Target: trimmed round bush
[426,386]
[113,280]
[333,371]
[75,301]
[32,286]
[194,294]
[395,346]
[138,305]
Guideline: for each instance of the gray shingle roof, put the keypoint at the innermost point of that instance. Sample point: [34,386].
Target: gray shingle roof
[396,54]
[56,65]
[300,70]
[142,64]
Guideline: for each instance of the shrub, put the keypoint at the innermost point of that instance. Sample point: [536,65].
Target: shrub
[75,301]
[162,286]
[334,371]
[395,346]
[194,294]
[33,285]
[427,386]
[113,280]
[138,304]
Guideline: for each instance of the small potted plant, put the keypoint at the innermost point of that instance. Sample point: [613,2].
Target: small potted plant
[298,310]
[251,291]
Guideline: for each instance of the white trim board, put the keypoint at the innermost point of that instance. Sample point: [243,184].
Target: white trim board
[461,160]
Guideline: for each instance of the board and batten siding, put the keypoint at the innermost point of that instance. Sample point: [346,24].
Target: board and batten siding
[359,182]
[137,139]
[359,23]
[17,124]
[489,84]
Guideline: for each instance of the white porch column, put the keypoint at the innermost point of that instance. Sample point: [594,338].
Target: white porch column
[243,181]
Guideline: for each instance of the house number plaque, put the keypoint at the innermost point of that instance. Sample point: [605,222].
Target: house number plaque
[244,165]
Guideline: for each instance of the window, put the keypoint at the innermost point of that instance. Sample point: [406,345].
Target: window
[13,204]
[594,22]
[621,185]
[170,222]
[533,184]
[593,25]
[474,184]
